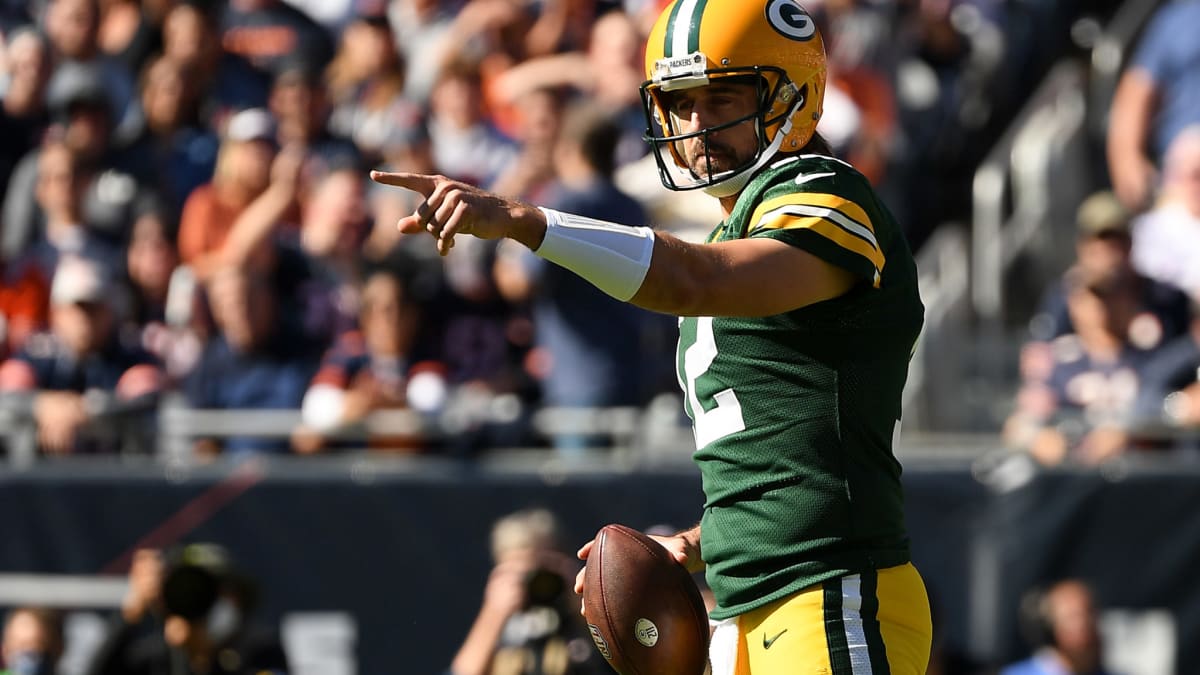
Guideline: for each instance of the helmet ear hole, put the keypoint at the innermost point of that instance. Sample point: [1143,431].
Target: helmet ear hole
[787,93]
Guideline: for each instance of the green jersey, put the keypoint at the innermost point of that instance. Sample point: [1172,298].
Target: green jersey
[794,414]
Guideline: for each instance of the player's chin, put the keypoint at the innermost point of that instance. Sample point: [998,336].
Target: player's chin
[714,166]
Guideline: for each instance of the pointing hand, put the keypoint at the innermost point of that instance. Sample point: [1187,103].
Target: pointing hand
[452,208]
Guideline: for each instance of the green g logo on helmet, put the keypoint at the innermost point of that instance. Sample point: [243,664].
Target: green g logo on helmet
[790,20]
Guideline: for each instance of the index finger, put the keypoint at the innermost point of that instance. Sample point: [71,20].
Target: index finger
[417,182]
[584,550]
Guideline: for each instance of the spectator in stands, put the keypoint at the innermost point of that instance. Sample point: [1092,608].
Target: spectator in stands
[184,151]
[72,27]
[150,260]
[491,35]
[531,172]
[1061,624]
[592,351]
[80,372]
[319,267]
[301,107]
[23,114]
[1157,97]
[383,365]
[160,312]
[227,82]
[422,31]
[1078,411]
[32,642]
[1160,314]
[528,622]
[608,74]
[955,94]
[365,82]
[24,301]
[252,362]
[188,611]
[860,121]
[129,31]
[466,145]
[270,33]
[60,194]
[1166,239]
[1103,249]
[1168,406]
[561,26]
[117,177]
[250,186]
[24,287]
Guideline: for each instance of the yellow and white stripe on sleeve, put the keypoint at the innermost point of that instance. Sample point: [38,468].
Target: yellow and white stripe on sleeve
[838,219]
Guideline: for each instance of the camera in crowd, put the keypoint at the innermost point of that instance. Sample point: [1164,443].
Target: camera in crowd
[201,585]
[544,588]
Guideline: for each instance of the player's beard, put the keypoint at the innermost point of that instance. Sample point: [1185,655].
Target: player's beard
[718,159]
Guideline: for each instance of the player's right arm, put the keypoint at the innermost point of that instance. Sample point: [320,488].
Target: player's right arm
[653,270]
[744,277]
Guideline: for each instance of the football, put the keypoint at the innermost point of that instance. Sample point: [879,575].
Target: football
[643,609]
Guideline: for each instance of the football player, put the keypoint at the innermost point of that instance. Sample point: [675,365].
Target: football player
[799,315]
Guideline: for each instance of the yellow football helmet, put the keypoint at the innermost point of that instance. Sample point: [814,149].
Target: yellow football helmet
[773,43]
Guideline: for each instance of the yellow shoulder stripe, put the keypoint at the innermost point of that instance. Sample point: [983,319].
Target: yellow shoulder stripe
[840,237]
[828,223]
[852,211]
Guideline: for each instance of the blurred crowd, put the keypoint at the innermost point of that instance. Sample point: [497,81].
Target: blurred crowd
[1112,364]
[186,215]
[187,610]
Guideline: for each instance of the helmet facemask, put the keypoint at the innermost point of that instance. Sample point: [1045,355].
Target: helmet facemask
[777,100]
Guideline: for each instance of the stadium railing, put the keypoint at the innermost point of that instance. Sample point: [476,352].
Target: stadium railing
[169,430]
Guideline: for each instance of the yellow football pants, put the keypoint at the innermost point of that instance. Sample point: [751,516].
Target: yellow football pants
[873,623]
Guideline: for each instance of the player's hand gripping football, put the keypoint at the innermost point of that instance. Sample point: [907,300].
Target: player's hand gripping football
[452,208]
[683,547]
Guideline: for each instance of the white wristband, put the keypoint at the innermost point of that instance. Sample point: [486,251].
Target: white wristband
[614,258]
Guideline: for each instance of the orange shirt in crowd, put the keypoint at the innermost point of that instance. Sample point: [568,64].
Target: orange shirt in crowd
[204,224]
[23,304]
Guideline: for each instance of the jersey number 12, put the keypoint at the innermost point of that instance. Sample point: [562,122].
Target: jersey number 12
[722,419]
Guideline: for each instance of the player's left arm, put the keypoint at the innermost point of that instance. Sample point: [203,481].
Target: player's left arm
[684,548]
